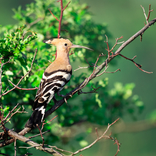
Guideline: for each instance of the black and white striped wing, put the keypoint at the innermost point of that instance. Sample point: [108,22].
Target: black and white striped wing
[50,84]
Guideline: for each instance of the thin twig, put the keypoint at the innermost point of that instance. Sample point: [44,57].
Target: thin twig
[114,71]
[98,69]
[66,5]
[48,121]
[59,149]
[15,148]
[115,142]
[81,68]
[10,112]
[144,13]
[2,123]
[103,71]
[136,64]
[4,154]
[32,143]
[22,88]
[96,132]
[116,43]
[99,138]
[82,85]
[149,12]
[60,20]
[95,65]
[41,135]
[93,91]
[38,134]
[54,15]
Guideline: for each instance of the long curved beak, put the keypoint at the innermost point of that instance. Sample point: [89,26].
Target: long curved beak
[78,46]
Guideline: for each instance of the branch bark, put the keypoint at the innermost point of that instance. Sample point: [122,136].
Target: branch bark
[99,68]
[85,82]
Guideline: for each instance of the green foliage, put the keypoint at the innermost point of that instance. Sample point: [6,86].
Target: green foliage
[152,116]
[19,43]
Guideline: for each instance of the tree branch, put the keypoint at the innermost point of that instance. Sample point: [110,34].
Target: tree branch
[85,82]
[99,68]
[22,88]
[32,143]
[95,141]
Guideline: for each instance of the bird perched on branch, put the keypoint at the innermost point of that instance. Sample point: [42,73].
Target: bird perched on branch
[53,80]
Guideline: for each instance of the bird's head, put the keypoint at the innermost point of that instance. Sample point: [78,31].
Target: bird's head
[64,44]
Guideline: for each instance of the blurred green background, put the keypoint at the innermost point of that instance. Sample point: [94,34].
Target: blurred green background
[124,18]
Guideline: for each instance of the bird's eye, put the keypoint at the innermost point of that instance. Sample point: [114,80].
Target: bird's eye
[65,44]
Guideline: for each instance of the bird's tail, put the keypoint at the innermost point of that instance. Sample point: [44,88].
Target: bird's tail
[36,117]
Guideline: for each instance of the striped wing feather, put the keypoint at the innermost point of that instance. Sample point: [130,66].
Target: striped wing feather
[50,84]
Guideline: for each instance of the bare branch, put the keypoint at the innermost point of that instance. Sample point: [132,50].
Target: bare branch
[60,20]
[149,12]
[136,64]
[32,143]
[99,68]
[11,113]
[54,15]
[48,121]
[116,43]
[41,135]
[81,68]
[22,88]
[103,71]
[93,91]
[66,5]
[115,142]
[15,147]
[95,141]
[114,71]
[144,14]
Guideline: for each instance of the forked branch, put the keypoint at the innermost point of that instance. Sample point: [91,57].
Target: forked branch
[96,71]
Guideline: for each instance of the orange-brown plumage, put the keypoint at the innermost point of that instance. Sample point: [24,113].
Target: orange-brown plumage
[57,74]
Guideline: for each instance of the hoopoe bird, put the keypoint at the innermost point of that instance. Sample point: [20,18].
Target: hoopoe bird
[55,77]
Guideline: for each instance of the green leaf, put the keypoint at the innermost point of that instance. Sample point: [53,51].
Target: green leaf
[83,143]
[98,100]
